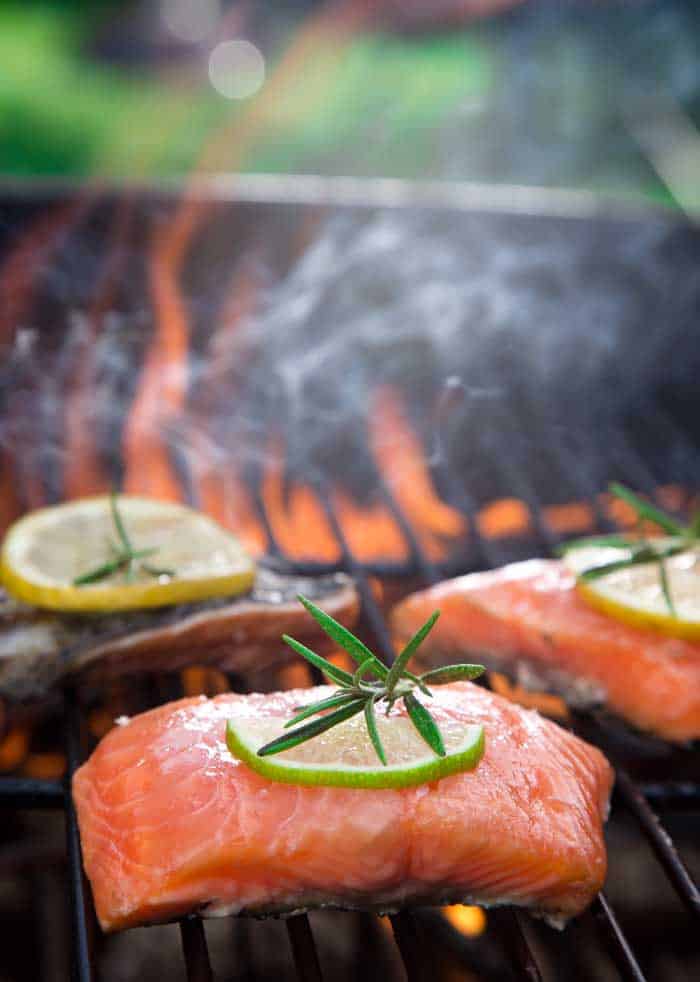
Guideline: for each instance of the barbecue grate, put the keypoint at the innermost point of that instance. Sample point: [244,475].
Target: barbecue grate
[586,465]
[636,798]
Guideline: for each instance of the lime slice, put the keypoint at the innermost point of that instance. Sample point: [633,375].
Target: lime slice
[635,594]
[47,550]
[344,756]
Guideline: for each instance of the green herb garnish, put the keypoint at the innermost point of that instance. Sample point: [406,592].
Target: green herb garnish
[357,694]
[637,549]
[124,555]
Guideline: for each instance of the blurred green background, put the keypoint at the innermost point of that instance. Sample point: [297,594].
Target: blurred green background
[603,97]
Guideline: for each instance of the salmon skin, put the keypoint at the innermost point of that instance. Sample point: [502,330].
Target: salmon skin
[171,823]
[528,619]
[38,648]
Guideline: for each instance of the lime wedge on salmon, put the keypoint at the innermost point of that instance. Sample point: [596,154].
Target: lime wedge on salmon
[636,595]
[345,757]
[61,558]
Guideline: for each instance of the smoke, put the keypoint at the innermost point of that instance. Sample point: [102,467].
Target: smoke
[547,323]
[503,335]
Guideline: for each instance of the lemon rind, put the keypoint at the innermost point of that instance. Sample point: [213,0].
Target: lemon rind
[673,627]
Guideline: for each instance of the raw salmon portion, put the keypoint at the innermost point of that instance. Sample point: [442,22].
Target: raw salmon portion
[171,823]
[531,613]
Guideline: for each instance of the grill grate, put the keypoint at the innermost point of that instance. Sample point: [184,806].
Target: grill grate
[29,793]
[637,799]
[34,793]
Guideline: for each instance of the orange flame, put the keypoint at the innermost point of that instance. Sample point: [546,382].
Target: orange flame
[545,702]
[162,389]
[503,518]
[370,530]
[299,522]
[402,463]
[468,920]
[569,519]
[220,491]
[301,526]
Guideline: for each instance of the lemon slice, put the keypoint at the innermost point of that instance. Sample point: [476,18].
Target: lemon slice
[635,595]
[344,756]
[47,550]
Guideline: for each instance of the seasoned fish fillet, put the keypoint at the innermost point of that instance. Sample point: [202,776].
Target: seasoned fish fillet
[530,614]
[37,648]
[171,823]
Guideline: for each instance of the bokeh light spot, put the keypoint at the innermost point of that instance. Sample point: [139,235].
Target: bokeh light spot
[236,69]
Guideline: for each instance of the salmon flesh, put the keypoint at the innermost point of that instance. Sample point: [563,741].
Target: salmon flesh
[530,616]
[172,824]
[38,648]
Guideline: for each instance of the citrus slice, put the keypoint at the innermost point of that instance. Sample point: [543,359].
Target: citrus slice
[344,756]
[635,594]
[44,553]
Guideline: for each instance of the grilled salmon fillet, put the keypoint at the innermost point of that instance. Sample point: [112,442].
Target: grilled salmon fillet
[530,614]
[39,648]
[171,823]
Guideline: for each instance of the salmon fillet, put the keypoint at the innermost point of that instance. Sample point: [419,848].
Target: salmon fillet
[38,648]
[171,823]
[531,613]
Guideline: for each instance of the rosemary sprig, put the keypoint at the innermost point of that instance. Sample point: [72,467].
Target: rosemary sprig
[638,550]
[356,694]
[124,555]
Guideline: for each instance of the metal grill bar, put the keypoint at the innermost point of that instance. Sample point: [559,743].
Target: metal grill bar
[517,948]
[303,949]
[619,946]
[27,792]
[82,964]
[660,842]
[195,951]
[408,941]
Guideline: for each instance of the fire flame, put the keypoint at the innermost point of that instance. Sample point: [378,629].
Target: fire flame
[468,920]
[299,524]
[402,464]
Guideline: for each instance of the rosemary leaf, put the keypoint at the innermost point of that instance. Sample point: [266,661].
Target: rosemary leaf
[643,554]
[339,699]
[645,509]
[397,669]
[303,733]
[118,524]
[330,670]
[371,721]
[100,572]
[452,673]
[601,541]
[595,572]
[424,724]
[354,647]
[665,588]
[364,667]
